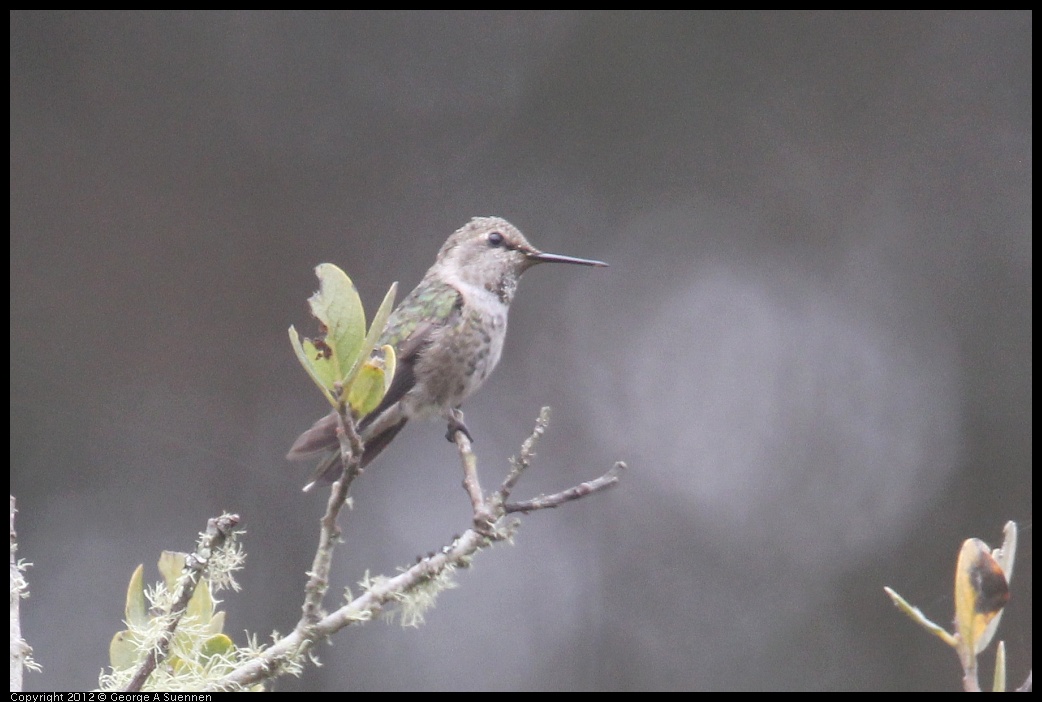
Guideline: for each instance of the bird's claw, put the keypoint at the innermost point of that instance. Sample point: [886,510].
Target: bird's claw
[456,424]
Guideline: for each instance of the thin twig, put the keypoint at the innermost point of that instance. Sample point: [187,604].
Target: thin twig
[608,480]
[495,507]
[351,449]
[470,463]
[520,464]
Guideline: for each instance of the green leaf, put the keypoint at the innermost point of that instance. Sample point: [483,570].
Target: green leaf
[916,615]
[368,387]
[216,625]
[171,564]
[201,604]
[372,382]
[136,610]
[219,645]
[338,307]
[308,358]
[376,329]
[998,681]
[123,651]
[344,346]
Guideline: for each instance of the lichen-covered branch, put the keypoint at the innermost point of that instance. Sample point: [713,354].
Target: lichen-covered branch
[414,588]
[21,652]
[218,531]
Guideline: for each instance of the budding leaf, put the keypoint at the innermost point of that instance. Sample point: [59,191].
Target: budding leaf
[136,610]
[375,330]
[336,358]
[371,383]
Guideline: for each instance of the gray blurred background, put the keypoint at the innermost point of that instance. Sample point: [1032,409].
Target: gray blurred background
[813,346]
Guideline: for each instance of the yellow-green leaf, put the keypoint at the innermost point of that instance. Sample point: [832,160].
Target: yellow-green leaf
[344,346]
[123,651]
[180,666]
[136,610]
[219,645]
[309,357]
[916,615]
[998,681]
[338,307]
[216,625]
[368,388]
[171,564]
[375,330]
[201,604]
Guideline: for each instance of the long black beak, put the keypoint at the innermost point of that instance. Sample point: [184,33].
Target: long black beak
[540,257]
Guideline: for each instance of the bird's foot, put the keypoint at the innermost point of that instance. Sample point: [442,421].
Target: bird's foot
[456,424]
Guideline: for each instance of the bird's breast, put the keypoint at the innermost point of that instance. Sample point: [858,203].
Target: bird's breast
[461,355]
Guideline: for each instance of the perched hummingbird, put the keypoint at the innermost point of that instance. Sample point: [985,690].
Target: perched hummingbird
[448,335]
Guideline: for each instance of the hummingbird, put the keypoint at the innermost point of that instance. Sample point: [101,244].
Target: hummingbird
[448,335]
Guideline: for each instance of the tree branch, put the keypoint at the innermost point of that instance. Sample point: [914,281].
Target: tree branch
[351,449]
[381,592]
[218,531]
[608,480]
[21,652]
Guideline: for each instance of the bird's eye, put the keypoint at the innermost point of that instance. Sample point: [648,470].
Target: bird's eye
[495,239]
